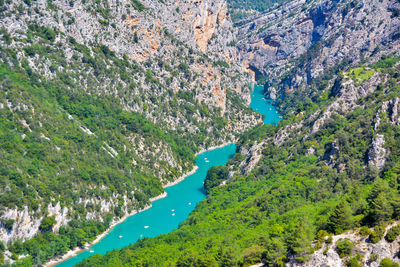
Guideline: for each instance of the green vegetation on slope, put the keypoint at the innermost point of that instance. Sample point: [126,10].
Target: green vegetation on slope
[282,205]
[242,8]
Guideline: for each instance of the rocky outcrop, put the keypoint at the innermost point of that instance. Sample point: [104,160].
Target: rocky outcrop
[328,256]
[25,226]
[252,157]
[171,61]
[376,156]
[294,44]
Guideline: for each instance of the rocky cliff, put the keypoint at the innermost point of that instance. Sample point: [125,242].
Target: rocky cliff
[303,40]
[306,50]
[134,86]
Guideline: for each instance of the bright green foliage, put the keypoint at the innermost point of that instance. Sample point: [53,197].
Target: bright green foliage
[215,176]
[365,231]
[288,197]
[353,262]
[359,75]
[393,233]
[344,247]
[386,262]
[320,238]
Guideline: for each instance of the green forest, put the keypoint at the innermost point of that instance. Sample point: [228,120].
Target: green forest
[290,199]
[54,135]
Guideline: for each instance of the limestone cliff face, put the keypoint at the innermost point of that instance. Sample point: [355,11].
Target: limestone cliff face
[294,44]
[176,66]
[328,255]
[303,49]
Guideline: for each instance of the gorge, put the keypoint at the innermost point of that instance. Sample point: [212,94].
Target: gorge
[103,103]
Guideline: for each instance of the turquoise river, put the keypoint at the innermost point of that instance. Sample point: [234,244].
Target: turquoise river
[167,213]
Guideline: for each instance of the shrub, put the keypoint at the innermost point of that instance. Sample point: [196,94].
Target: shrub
[373,257]
[365,231]
[353,262]
[320,238]
[386,262]
[253,254]
[344,247]
[393,233]
[215,176]
[47,223]
[378,233]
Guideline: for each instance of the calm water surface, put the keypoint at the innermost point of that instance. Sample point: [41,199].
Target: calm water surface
[167,213]
[264,106]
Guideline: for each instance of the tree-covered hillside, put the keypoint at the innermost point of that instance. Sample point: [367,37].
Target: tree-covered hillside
[300,191]
[101,104]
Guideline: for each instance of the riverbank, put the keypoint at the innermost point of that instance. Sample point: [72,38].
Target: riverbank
[195,168]
[215,147]
[78,250]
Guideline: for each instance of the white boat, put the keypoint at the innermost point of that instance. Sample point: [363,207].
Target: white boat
[190,203]
[120,236]
[173,214]
[91,251]
[146,227]
[207,161]
[172,210]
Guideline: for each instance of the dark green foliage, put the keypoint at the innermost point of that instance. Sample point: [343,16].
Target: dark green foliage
[259,5]
[138,5]
[215,176]
[393,233]
[341,218]
[47,223]
[344,247]
[7,223]
[383,201]
[386,262]
[378,233]
[373,257]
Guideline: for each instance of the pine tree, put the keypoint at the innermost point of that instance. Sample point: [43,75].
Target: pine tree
[340,219]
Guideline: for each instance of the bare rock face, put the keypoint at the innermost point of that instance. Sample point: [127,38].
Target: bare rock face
[322,33]
[328,256]
[25,225]
[179,56]
[252,157]
[376,156]
[206,22]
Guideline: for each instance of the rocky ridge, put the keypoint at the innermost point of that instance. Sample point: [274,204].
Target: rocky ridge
[172,61]
[296,43]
